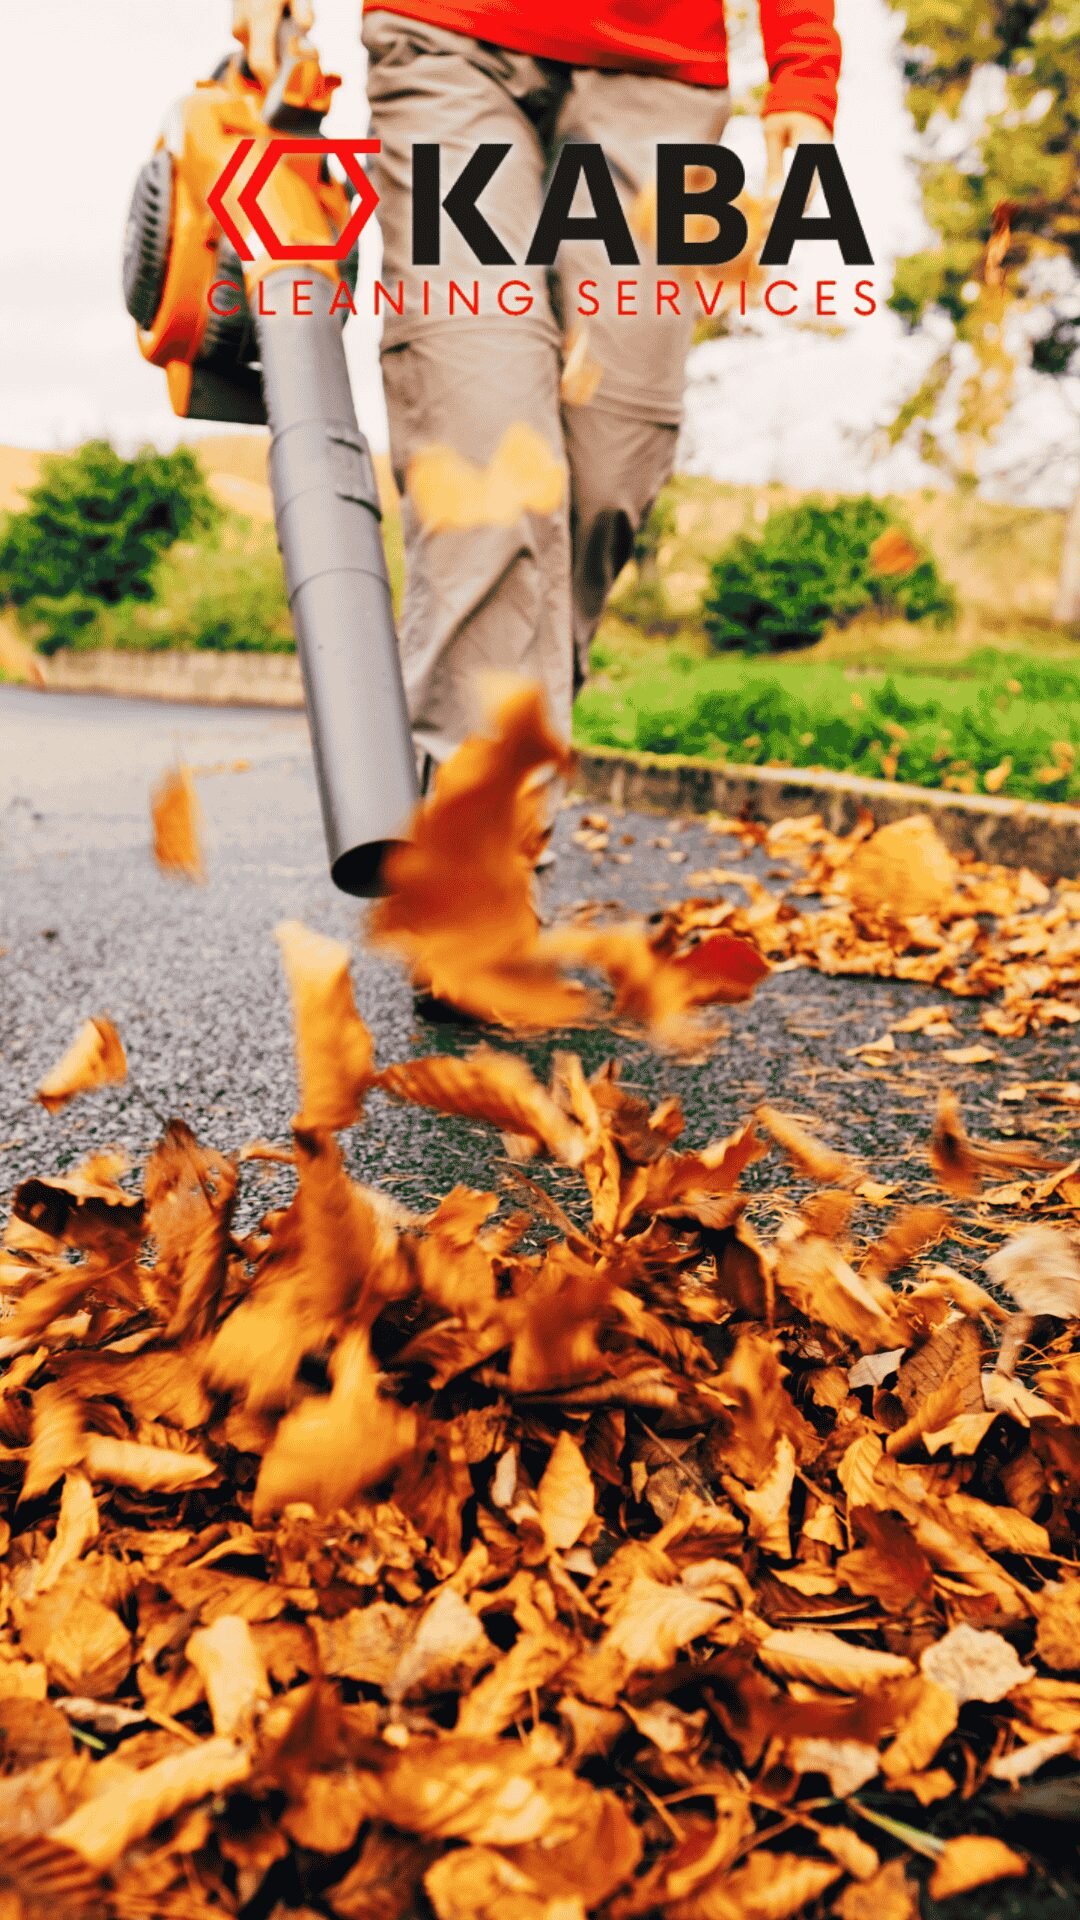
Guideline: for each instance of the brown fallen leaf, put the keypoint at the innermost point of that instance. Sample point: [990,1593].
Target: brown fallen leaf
[496,1087]
[18,660]
[902,870]
[333,1047]
[227,1661]
[775,1886]
[57,1442]
[565,1496]
[889,1895]
[177,825]
[77,1527]
[1057,1640]
[45,1878]
[83,1644]
[95,1058]
[825,1660]
[974,1665]
[1041,1269]
[446,1645]
[450,492]
[974,1860]
[961,1164]
[190,1192]
[104,1828]
[581,373]
[469,931]
[809,1156]
[893,553]
[125,1463]
[333,1446]
[656,989]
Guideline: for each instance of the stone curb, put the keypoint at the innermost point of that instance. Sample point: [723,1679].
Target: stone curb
[1015,834]
[1011,833]
[203,679]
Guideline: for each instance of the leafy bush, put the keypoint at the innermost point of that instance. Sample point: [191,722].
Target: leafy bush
[92,532]
[1002,723]
[225,595]
[813,566]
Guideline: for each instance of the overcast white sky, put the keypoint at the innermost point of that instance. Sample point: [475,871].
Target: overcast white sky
[87,86]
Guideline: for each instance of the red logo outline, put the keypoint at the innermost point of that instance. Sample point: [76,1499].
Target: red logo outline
[347,151]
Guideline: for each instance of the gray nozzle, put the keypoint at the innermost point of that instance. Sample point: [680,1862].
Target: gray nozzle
[327,507]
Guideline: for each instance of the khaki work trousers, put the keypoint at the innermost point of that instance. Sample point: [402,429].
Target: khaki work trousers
[524,598]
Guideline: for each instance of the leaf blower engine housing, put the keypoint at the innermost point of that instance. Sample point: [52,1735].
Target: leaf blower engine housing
[275,362]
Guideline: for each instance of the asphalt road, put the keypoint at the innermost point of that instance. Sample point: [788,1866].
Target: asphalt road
[191,974]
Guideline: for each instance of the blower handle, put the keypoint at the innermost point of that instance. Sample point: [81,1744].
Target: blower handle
[274,107]
[326,504]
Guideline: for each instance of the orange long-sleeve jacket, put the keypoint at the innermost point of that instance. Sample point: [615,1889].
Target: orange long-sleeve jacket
[683,39]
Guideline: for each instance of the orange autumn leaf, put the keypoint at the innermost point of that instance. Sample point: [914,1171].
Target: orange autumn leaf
[333,1047]
[125,1463]
[18,661]
[57,1440]
[495,1087]
[177,823]
[893,554]
[961,1164]
[974,1860]
[903,869]
[809,1156]
[655,989]
[104,1828]
[581,373]
[332,1446]
[77,1527]
[998,245]
[467,928]
[227,1660]
[84,1645]
[95,1058]
[450,492]
[889,1895]
[774,1886]
[566,1497]
[825,1660]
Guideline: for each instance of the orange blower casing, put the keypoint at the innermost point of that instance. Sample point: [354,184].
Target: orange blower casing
[301,200]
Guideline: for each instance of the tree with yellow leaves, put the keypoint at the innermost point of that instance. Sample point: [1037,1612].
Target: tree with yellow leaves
[1005,208]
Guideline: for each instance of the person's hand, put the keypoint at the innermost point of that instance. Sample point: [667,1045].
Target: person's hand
[255,25]
[783,132]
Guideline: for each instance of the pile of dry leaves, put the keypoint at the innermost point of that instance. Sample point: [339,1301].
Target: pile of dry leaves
[497,1567]
[895,903]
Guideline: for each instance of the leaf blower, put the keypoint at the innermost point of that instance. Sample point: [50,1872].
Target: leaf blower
[234,326]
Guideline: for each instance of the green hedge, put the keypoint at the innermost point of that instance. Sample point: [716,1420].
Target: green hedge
[92,533]
[224,594]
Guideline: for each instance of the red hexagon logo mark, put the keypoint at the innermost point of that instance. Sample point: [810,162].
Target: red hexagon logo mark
[347,151]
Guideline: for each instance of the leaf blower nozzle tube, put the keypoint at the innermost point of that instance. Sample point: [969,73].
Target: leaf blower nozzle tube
[326,503]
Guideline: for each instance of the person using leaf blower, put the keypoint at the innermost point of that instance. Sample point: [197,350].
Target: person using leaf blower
[523,591]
